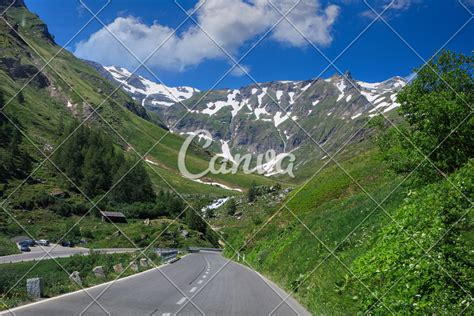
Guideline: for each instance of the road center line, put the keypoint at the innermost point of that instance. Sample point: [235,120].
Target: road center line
[181,301]
[193,289]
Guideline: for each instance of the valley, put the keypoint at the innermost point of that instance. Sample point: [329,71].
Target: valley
[328,195]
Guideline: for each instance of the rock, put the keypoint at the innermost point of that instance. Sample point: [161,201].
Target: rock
[147,222]
[76,278]
[134,266]
[184,233]
[144,262]
[118,268]
[34,288]
[99,272]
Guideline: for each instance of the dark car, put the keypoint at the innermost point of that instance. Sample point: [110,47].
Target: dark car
[28,242]
[67,244]
[25,248]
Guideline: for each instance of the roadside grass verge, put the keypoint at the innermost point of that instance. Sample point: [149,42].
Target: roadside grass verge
[331,206]
[7,247]
[55,280]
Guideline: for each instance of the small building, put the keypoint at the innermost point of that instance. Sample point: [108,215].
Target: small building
[58,193]
[115,217]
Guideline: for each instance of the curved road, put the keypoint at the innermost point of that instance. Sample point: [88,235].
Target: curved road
[201,283]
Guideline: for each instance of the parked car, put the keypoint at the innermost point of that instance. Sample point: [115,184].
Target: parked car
[25,248]
[43,242]
[67,244]
[28,242]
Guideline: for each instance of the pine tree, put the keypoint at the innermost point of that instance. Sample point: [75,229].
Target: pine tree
[21,98]
[231,207]
[132,186]
[194,221]
[252,192]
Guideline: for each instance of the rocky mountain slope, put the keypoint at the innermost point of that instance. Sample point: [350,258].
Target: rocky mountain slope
[57,88]
[285,116]
[142,90]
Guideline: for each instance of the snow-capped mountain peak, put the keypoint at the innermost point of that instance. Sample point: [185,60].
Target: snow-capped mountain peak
[146,91]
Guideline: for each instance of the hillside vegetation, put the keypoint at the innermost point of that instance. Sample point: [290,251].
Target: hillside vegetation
[371,233]
[93,134]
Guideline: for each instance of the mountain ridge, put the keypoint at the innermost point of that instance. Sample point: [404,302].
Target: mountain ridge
[280,115]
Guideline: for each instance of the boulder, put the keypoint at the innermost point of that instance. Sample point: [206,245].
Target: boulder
[76,278]
[134,266]
[184,233]
[118,268]
[144,262]
[99,272]
[34,288]
[147,222]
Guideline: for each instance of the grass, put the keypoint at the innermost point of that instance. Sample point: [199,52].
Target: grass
[330,207]
[55,279]
[343,252]
[7,247]
[44,110]
[162,232]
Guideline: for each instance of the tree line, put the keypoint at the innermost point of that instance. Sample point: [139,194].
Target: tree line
[15,162]
[90,159]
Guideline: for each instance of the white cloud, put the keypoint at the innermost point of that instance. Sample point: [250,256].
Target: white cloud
[230,23]
[391,7]
[240,71]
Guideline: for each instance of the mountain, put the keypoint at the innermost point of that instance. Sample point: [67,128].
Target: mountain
[260,117]
[142,90]
[57,88]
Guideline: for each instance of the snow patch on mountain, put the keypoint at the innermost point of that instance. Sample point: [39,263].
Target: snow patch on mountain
[279,94]
[226,151]
[341,86]
[278,118]
[144,89]
[306,87]
[292,100]
[261,95]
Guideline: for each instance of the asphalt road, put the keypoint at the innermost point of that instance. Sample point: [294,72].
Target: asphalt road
[55,251]
[198,284]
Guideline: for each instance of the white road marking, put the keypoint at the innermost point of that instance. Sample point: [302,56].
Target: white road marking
[204,276]
[181,301]
[193,289]
[200,281]
[166,314]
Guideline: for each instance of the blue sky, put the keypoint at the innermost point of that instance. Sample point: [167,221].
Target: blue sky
[189,57]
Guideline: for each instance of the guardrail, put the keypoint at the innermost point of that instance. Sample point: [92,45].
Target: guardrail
[197,249]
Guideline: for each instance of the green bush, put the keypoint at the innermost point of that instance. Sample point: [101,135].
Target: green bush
[7,247]
[436,108]
[435,219]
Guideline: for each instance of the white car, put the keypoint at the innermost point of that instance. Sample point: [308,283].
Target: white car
[43,242]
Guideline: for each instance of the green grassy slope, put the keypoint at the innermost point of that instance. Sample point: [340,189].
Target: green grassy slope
[338,252]
[71,80]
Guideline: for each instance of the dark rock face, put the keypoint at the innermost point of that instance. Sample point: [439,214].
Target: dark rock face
[7,3]
[18,71]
